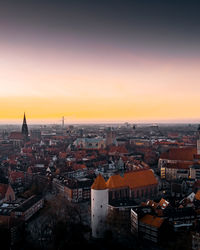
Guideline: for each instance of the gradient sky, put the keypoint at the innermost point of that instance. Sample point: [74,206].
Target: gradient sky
[100,61]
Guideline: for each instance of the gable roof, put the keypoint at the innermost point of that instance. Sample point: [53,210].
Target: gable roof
[133,179]
[183,154]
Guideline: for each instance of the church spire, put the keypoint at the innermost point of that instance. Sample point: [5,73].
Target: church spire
[24,121]
[25,127]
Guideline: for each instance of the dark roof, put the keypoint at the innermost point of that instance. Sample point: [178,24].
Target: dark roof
[179,212]
[196,166]
[28,203]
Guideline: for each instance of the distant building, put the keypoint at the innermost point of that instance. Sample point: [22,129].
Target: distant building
[25,128]
[90,143]
[35,134]
[16,138]
[110,137]
[28,208]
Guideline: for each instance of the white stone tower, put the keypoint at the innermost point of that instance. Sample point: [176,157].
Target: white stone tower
[198,141]
[99,207]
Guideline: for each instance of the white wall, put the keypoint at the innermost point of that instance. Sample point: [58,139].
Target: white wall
[99,210]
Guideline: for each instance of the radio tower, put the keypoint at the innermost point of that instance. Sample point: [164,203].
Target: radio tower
[63,122]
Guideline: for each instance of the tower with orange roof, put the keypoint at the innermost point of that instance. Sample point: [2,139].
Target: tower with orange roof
[99,206]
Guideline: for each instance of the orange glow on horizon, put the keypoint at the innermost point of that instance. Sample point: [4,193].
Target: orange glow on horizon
[83,87]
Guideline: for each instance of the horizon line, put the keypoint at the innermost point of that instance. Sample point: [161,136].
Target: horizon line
[73,122]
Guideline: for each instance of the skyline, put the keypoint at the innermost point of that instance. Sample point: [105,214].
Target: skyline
[100,62]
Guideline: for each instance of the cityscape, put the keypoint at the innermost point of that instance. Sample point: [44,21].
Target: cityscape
[100,125]
[125,186]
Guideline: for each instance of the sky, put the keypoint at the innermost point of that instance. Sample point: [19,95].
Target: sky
[99,61]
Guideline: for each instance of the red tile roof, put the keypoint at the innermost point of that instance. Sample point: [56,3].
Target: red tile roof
[16,136]
[15,175]
[197,195]
[118,149]
[184,154]
[133,179]
[179,165]
[27,150]
[79,167]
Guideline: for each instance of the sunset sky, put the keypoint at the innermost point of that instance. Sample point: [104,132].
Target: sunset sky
[100,61]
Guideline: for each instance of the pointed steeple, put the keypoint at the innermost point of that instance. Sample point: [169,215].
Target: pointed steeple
[24,121]
[25,127]
[99,183]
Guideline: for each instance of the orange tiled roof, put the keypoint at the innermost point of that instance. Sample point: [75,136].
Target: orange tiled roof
[152,221]
[99,183]
[118,149]
[184,154]
[133,179]
[197,195]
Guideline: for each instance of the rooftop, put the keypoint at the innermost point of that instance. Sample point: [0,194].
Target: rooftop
[152,221]
[133,179]
[28,203]
[183,154]
[99,183]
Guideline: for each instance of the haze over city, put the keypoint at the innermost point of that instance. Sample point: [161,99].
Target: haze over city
[99,124]
[106,61]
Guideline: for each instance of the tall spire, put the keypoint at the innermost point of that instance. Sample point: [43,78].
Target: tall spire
[24,121]
[25,127]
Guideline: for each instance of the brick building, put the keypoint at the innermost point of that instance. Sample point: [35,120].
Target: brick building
[133,185]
